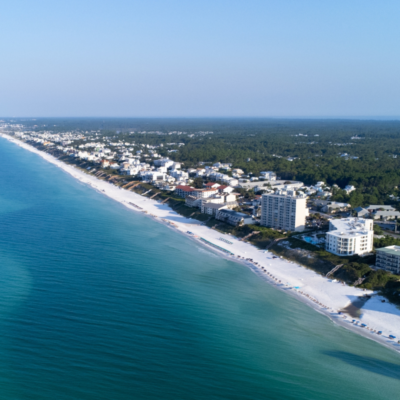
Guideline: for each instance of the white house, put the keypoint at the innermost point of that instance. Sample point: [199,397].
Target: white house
[129,171]
[200,172]
[349,188]
[176,165]
[268,175]
[164,162]
[232,182]
[151,176]
[179,175]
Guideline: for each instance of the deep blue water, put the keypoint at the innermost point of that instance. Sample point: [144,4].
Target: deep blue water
[98,302]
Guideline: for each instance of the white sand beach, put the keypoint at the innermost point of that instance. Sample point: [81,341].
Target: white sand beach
[324,295]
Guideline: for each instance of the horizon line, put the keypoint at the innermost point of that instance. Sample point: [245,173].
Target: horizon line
[376,117]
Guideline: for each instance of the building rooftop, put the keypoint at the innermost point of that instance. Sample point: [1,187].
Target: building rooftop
[358,209]
[392,250]
[387,213]
[286,193]
[214,205]
[350,227]
[376,207]
[185,188]
[236,213]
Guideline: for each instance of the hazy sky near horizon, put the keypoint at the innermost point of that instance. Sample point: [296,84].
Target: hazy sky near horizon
[285,58]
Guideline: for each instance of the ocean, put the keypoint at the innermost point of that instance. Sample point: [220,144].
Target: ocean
[99,302]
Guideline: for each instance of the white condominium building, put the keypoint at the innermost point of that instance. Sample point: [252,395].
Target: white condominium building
[284,210]
[350,236]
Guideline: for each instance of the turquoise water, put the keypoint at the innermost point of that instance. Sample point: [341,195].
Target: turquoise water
[98,302]
[310,240]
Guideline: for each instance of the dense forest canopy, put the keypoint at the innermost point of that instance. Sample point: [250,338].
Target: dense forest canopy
[362,153]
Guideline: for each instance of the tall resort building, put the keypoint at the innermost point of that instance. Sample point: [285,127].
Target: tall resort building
[350,236]
[284,210]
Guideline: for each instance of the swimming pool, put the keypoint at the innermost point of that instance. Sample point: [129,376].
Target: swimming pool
[310,240]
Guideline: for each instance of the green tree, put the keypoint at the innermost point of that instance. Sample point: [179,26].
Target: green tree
[198,183]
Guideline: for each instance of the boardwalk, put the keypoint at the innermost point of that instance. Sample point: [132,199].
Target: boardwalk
[274,242]
[154,195]
[332,271]
[250,235]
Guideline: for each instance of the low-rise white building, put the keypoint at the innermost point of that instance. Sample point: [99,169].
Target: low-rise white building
[129,171]
[233,217]
[350,236]
[179,174]
[386,215]
[237,171]
[153,176]
[268,175]
[199,171]
[374,208]
[212,208]
[184,191]
[349,188]
[163,162]
[232,182]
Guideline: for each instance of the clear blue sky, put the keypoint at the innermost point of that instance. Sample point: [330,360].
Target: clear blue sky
[296,58]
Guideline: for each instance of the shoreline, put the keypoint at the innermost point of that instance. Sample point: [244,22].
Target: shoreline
[322,294]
